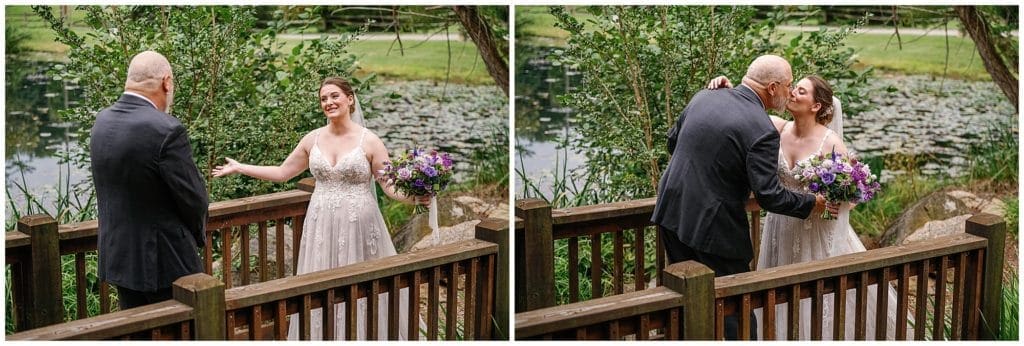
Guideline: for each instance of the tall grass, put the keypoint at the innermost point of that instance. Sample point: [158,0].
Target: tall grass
[873,217]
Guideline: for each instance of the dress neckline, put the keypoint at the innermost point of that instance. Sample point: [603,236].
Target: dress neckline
[782,154]
[316,145]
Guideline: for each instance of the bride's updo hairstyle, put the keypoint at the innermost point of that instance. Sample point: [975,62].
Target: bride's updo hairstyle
[343,85]
[822,95]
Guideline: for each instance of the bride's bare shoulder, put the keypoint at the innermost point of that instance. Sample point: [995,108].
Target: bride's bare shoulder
[778,122]
[834,141]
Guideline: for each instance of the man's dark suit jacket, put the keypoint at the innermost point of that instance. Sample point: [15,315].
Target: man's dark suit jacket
[723,147]
[152,201]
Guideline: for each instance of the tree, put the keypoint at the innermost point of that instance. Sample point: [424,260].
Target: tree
[484,38]
[976,25]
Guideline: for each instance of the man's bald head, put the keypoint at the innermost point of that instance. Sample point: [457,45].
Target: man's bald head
[770,76]
[770,68]
[147,71]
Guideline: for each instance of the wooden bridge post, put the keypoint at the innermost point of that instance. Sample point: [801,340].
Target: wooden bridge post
[44,294]
[993,228]
[205,294]
[696,282]
[496,231]
[535,264]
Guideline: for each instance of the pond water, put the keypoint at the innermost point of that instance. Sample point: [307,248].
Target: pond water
[934,120]
[459,119]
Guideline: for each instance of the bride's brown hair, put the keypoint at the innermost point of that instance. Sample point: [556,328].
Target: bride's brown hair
[344,86]
[822,95]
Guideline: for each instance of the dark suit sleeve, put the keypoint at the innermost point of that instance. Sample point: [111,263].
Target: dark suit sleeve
[762,170]
[185,184]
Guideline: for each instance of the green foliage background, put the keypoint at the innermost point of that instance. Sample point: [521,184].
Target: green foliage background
[642,64]
[235,92]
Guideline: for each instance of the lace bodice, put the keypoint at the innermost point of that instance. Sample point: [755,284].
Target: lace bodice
[349,179]
[787,176]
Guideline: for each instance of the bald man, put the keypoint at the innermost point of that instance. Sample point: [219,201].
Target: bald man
[723,147]
[152,200]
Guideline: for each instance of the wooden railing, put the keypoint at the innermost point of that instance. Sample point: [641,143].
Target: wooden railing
[455,288]
[626,224]
[41,241]
[967,272]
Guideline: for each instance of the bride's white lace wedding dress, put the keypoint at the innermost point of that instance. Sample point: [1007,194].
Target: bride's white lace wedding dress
[343,225]
[787,240]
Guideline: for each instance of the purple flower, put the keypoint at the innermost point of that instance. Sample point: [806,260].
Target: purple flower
[404,173]
[813,187]
[429,171]
[828,178]
[418,183]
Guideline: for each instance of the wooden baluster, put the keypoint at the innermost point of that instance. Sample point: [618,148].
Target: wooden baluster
[793,318]
[659,257]
[80,285]
[351,305]
[245,254]
[372,310]
[208,252]
[882,304]
[672,331]
[263,252]
[256,322]
[839,321]
[938,327]
[305,316]
[104,297]
[574,269]
[956,330]
[434,302]
[975,294]
[469,326]
[768,327]
[922,301]
[279,240]
[451,311]
[329,316]
[719,319]
[861,306]
[639,275]
[817,309]
[903,302]
[394,306]
[596,264]
[643,331]
[226,255]
[744,317]
[617,254]
[487,300]
[230,325]
[613,331]
[281,320]
[414,306]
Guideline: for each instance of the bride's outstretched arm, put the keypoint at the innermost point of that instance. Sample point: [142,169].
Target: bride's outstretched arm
[378,156]
[296,163]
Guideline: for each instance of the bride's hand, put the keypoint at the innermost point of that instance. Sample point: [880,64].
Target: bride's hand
[421,200]
[719,82]
[231,168]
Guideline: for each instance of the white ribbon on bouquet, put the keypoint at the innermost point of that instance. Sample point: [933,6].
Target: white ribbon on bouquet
[432,220]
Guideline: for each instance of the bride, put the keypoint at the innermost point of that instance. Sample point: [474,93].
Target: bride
[343,224]
[816,128]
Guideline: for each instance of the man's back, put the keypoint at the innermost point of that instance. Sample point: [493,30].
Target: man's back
[726,147]
[152,202]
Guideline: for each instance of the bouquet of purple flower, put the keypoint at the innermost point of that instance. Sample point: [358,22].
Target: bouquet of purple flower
[419,173]
[838,178]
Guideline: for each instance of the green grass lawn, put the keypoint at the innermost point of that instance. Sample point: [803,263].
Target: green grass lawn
[919,54]
[423,60]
